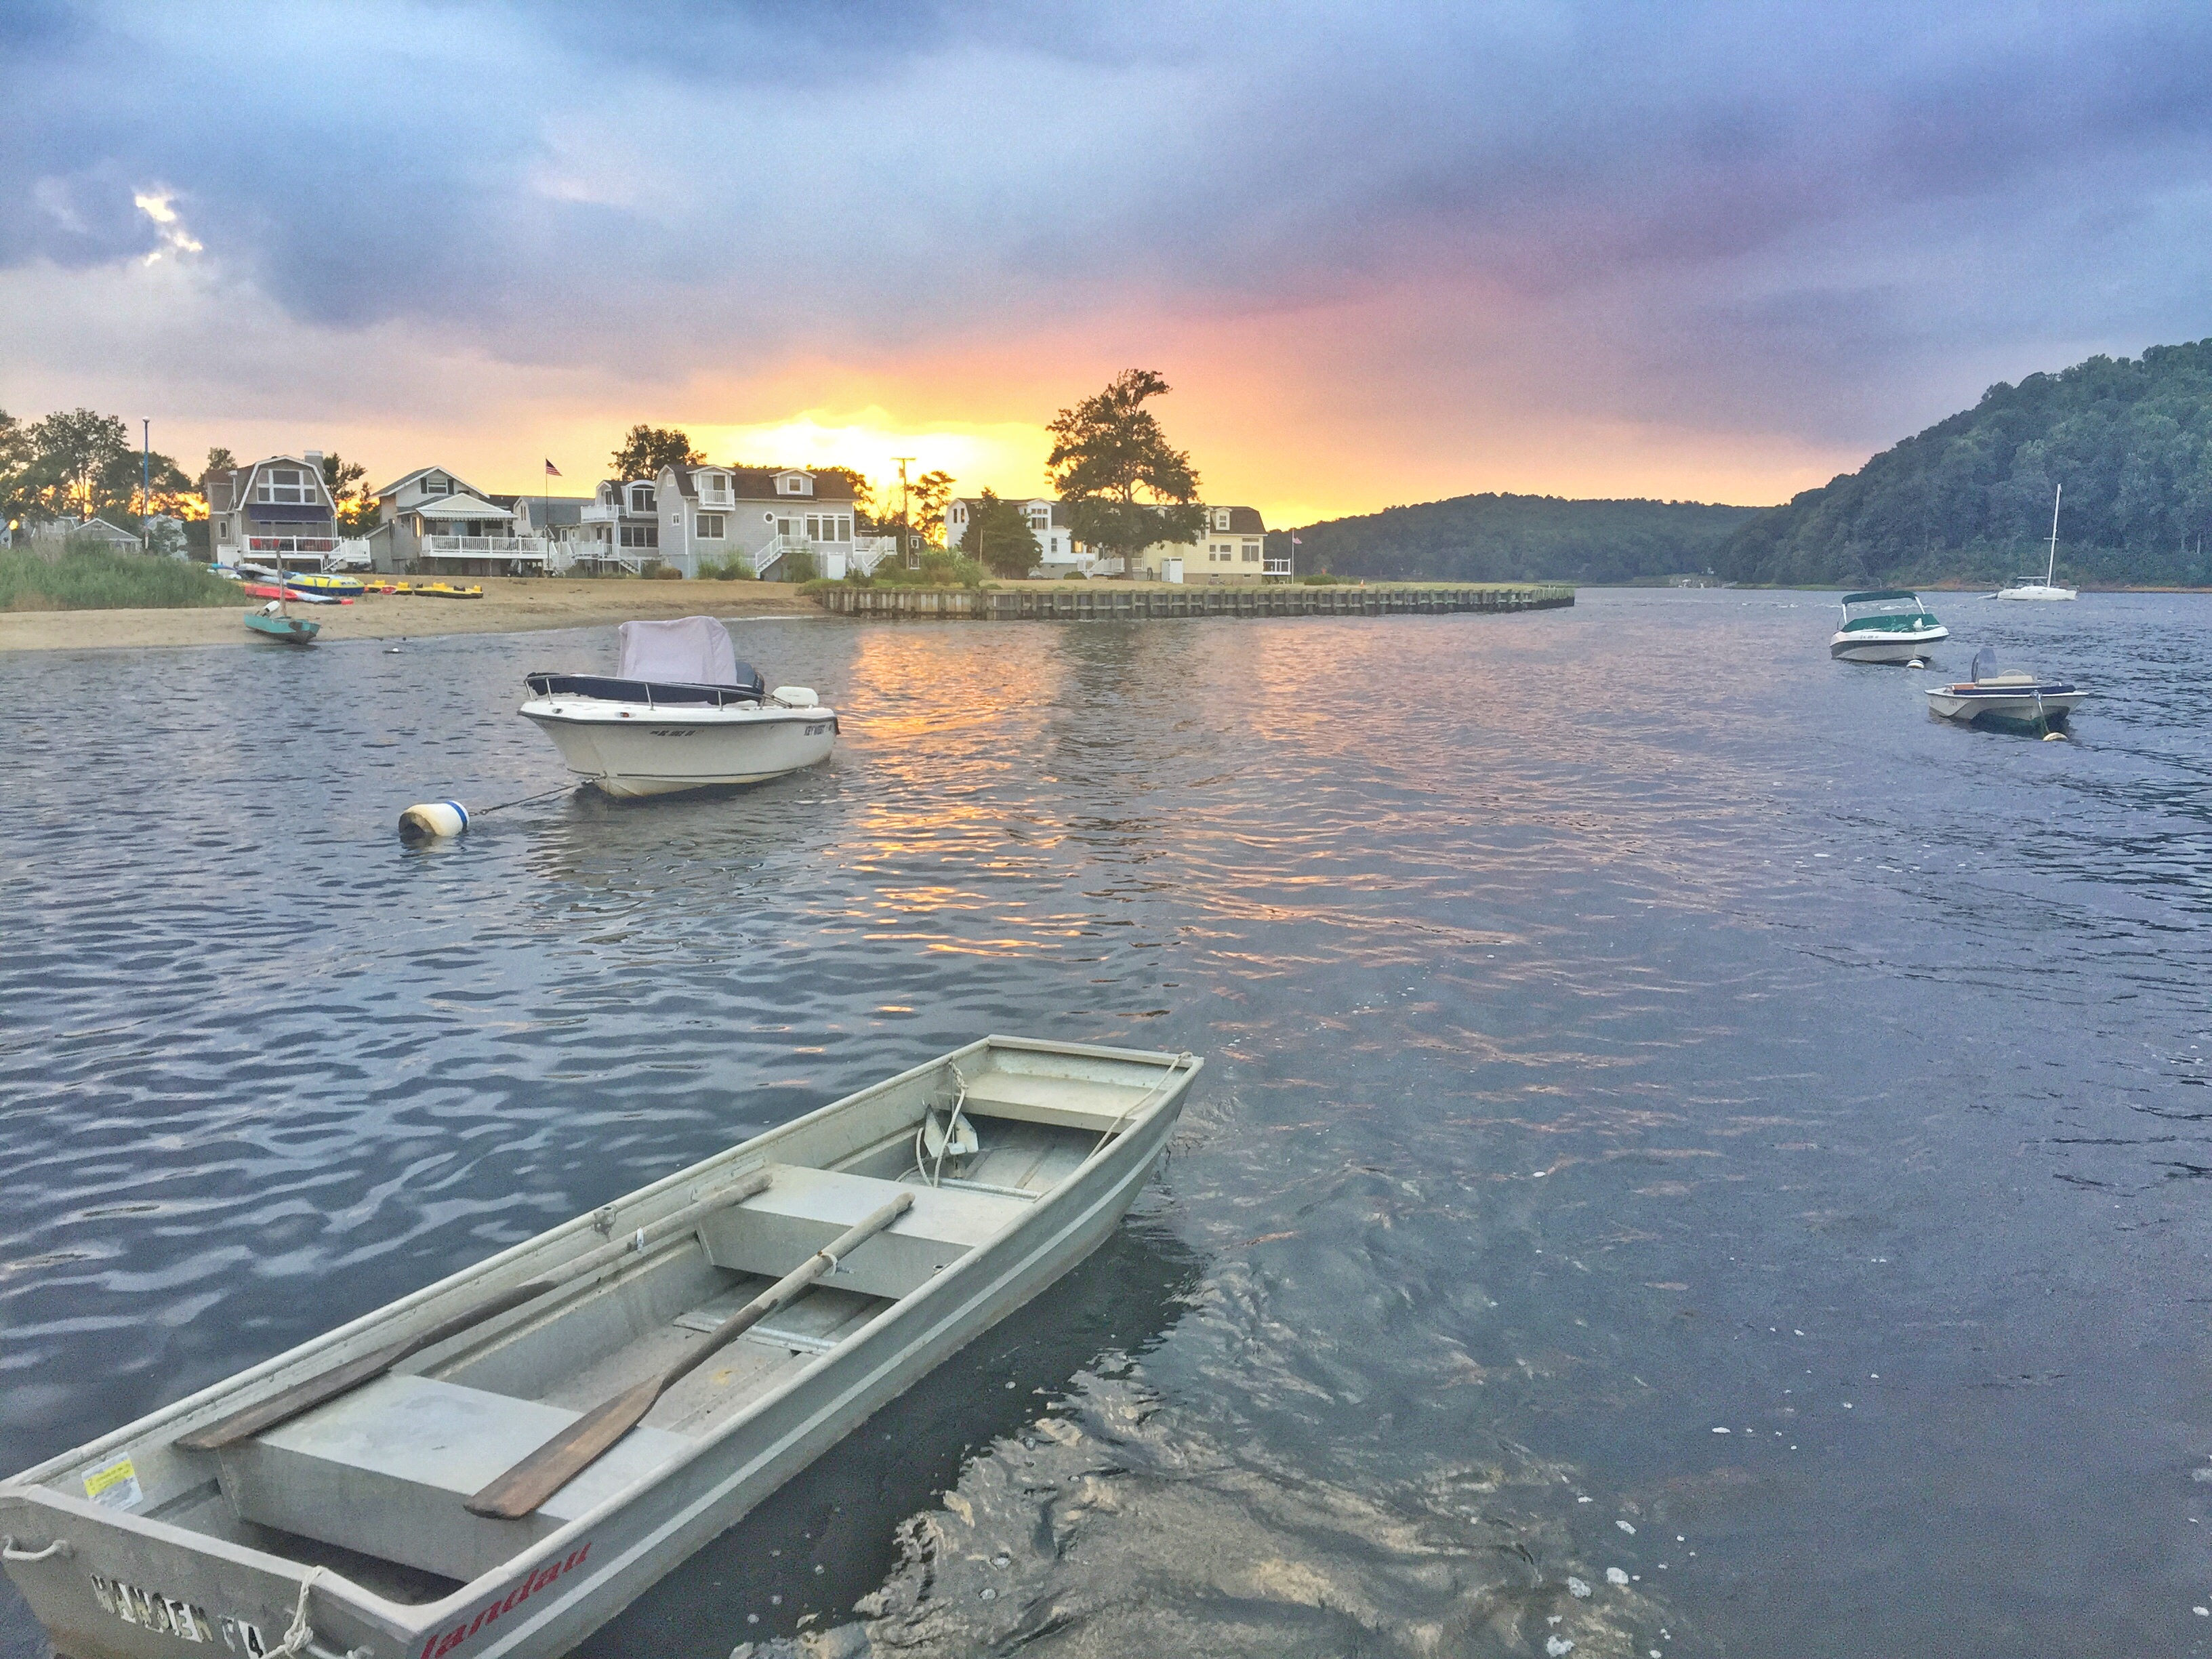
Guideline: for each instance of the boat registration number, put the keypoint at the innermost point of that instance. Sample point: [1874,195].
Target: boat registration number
[172,1615]
[817,730]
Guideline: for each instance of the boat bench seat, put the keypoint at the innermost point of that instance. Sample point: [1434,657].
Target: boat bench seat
[1066,1102]
[384,1469]
[804,1209]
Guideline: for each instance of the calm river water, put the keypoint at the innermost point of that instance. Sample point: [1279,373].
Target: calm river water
[1679,1121]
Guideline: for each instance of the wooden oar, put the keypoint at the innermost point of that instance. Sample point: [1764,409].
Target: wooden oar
[288,1403]
[576,1447]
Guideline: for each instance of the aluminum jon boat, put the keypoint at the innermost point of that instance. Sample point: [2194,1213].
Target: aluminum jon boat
[680,712]
[498,1464]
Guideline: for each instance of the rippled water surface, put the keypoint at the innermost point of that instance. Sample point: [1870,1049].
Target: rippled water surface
[1681,1122]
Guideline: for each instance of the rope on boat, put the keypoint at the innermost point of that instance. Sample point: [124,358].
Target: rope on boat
[435,820]
[301,1632]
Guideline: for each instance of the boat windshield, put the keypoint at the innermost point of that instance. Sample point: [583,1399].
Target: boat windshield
[1859,606]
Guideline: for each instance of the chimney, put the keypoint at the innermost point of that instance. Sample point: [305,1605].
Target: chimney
[315,459]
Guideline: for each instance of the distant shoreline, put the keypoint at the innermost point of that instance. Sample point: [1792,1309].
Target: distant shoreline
[512,605]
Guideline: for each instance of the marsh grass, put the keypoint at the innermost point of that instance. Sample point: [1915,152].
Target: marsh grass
[101,578]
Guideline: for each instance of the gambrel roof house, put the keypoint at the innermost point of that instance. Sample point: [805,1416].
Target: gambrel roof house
[277,508]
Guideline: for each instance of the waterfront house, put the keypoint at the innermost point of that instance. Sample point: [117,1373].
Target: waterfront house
[1230,551]
[1058,553]
[434,522]
[277,511]
[619,528]
[79,532]
[760,515]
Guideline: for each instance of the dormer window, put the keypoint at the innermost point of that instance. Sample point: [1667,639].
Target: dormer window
[284,486]
[437,484]
[641,498]
[715,487]
[1221,517]
[795,483]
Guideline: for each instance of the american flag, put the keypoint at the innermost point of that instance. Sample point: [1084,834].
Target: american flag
[551,470]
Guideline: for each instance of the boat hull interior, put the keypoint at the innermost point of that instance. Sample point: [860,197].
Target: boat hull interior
[369,1487]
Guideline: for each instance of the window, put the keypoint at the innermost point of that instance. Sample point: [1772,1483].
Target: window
[814,530]
[641,498]
[1251,552]
[716,488]
[437,484]
[286,485]
[640,535]
[1221,517]
[710,526]
[1040,518]
[844,528]
[796,483]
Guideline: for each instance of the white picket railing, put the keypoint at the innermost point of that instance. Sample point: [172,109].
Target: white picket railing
[484,547]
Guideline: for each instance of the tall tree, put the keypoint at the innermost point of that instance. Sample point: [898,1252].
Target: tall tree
[16,453]
[646,449]
[998,538]
[926,498]
[355,507]
[1124,485]
[76,464]
[219,460]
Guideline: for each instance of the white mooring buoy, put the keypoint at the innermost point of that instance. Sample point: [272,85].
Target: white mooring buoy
[433,820]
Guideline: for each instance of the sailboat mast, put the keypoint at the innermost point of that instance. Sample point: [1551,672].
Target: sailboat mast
[2052,570]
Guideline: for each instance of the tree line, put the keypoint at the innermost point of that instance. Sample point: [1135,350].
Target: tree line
[1500,538]
[1971,497]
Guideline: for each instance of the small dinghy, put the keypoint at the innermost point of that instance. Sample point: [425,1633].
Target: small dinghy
[497,1464]
[680,712]
[2006,699]
[272,624]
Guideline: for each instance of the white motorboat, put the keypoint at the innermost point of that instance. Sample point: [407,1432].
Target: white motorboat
[1886,625]
[492,1466]
[680,712]
[2027,587]
[2007,698]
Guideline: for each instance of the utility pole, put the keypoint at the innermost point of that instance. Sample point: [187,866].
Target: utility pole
[906,528]
[145,481]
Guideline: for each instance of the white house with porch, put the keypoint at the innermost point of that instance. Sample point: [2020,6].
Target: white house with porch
[759,514]
[433,521]
[1057,549]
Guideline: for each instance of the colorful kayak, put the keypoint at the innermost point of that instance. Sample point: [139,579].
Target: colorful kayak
[264,591]
[285,630]
[442,591]
[350,587]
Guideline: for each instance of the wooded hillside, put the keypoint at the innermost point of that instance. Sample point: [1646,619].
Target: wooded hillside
[1522,538]
[2129,438]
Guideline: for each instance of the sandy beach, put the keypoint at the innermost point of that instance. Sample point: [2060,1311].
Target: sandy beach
[510,606]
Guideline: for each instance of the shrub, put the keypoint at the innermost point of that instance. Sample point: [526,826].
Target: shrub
[663,573]
[1075,576]
[1321,579]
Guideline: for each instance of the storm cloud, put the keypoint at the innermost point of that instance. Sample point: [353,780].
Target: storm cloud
[1778,235]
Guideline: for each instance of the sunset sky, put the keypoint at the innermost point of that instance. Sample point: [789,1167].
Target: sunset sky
[1383,252]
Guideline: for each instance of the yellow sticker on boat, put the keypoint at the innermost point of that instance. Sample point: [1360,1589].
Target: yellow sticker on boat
[116,1486]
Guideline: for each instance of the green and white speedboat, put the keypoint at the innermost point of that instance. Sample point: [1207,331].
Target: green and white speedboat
[1886,625]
